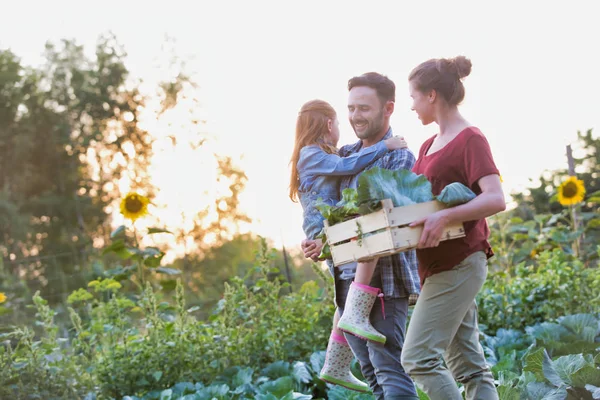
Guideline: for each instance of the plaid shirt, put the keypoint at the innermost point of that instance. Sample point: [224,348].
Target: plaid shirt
[399,272]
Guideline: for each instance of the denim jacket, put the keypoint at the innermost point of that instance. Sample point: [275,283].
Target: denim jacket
[320,173]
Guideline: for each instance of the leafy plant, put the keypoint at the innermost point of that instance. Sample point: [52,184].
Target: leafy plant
[530,293]
[127,248]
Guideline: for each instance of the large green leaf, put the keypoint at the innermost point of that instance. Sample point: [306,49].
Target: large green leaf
[218,392]
[301,373]
[317,360]
[118,247]
[567,366]
[547,331]
[243,376]
[455,193]
[543,391]
[585,326]
[277,369]
[539,363]
[279,387]
[595,391]
[403,187]
[341,393]
[588,375]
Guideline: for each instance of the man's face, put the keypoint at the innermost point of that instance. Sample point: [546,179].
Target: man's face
[365,112]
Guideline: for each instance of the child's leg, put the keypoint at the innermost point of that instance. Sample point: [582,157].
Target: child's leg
[336,319]
[338,360]
[359,303]
[364,271]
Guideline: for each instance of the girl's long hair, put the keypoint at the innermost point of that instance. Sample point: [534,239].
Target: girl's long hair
[311,128]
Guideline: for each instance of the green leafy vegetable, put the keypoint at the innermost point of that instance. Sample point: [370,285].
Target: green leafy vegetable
[403,187]
[346,208]
[455,193]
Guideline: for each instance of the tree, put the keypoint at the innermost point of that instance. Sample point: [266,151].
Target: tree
[68,133]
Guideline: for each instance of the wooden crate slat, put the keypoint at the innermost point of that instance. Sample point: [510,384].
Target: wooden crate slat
[405,215]
[348,229]
[407,238]
[351,251]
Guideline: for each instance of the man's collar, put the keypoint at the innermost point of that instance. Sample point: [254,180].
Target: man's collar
[388,134]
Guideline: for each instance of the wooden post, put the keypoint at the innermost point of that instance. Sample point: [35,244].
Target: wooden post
[570,160]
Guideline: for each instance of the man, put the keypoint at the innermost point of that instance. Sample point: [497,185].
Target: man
[370,106]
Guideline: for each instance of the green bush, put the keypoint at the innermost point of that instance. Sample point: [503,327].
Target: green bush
[530,293]
[139,344]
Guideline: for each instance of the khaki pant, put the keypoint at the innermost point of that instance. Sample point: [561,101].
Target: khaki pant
[444,325]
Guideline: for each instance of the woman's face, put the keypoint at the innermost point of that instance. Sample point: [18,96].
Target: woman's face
[333,136]
[422,104]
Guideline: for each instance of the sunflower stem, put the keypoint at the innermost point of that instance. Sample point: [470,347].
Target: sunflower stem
[139,260]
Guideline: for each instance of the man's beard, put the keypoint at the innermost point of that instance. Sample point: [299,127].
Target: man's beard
[373,128]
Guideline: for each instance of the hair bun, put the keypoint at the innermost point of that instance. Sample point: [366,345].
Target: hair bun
[462,65]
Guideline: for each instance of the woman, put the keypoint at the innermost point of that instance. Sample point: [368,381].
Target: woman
[444,321]
[316,173]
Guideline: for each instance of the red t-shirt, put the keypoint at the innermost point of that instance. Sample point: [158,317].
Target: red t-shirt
[466,159]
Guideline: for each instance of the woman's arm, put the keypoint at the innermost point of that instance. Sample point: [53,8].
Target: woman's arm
[489,202]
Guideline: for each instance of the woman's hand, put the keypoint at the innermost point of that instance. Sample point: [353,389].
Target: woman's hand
[395,143]
[434,226]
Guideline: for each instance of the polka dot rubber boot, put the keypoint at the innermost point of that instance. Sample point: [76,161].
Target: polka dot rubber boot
[355,319]
[338,360]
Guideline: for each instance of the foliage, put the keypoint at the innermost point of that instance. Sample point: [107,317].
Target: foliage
[136,260]
[133,345]
[556,284]
[64,124]
[576,229]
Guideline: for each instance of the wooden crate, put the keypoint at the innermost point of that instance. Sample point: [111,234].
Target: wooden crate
[388,229]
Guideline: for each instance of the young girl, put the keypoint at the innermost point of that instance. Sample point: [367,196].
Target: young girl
[444,321]
[316,171]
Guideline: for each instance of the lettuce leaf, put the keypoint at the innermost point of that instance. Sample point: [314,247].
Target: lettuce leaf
[346,208]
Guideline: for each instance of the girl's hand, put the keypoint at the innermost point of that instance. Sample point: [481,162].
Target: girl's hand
[312,249]
[395,143]
[433,229]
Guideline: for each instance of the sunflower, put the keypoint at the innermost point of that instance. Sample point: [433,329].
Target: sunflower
[134,206]
[2,297]
[571,192]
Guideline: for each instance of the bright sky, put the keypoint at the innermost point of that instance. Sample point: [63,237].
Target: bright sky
[534,83]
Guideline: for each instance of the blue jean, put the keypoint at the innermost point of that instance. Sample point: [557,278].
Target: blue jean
[380,364]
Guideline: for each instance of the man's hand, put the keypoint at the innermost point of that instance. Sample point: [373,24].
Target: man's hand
[312,248]
[433,229]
